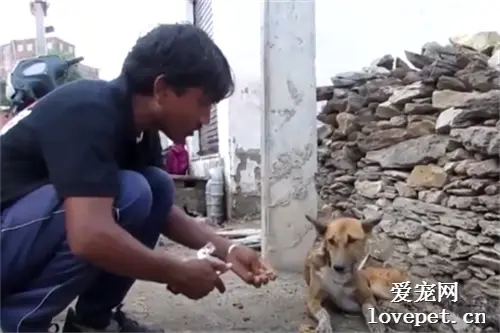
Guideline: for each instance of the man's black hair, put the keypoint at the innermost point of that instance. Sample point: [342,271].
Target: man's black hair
[187,58]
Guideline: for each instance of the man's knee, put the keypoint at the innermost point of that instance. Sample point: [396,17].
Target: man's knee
[162,186]
[155,187]
[135,199]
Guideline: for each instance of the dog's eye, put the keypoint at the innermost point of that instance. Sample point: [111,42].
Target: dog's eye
[351,240]
[331,241]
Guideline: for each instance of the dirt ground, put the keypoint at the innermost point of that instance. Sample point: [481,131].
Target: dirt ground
[278,307]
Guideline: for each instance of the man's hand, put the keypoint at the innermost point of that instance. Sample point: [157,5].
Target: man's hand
[247,263]
[249,266]
[199,277]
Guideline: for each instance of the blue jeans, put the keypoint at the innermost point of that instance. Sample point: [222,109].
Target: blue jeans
[40,275]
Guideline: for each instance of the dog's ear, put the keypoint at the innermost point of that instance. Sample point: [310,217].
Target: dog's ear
[368,225]
[320,226]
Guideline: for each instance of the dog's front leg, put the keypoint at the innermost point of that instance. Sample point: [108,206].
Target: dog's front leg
[324,321]
[369,312]
[315,297]
[368,303]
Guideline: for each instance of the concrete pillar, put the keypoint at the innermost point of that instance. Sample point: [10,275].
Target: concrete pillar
[39,10]
[289,137]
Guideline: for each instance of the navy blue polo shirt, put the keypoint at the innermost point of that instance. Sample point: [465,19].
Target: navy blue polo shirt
[77,138]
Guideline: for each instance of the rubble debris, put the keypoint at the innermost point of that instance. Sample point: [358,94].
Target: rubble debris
[250,237]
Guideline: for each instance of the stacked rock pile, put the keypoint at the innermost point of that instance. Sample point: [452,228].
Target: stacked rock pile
[418,149]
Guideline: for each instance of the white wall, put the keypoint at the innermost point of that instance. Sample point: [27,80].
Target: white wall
[350,35]
[239,116]
[200,165]
[237,25]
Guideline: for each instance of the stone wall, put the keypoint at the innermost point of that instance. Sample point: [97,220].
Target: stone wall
[418,149]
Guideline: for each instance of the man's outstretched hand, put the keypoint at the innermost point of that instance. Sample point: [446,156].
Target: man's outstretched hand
[198,277]
[249,266]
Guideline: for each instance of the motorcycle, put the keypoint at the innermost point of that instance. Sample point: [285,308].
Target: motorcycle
[33,78]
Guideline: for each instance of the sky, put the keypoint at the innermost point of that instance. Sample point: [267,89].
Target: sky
[102,30]
[349,33]
[362,30]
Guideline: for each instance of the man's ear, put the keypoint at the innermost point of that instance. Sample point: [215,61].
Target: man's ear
[320,226]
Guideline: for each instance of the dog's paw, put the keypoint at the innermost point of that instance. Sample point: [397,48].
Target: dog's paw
[372,327]
[324,322]
[376,328]
[324,326]
[306,328]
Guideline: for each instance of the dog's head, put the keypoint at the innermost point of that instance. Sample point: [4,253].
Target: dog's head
[344,241]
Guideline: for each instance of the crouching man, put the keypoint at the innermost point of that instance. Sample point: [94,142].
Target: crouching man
[84,197]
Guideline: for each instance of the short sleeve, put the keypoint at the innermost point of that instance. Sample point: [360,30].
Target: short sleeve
[78,147]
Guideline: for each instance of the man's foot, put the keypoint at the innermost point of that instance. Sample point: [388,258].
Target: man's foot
[119,322]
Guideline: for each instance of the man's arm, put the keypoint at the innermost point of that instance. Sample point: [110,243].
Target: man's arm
[185,230]
[79,154]
[93,235]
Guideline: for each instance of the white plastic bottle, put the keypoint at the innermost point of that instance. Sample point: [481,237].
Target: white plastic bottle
[214,195]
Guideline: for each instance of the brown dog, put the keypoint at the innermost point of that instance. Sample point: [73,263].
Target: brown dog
[332,273]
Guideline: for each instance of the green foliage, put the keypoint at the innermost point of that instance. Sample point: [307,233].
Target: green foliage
[73,73]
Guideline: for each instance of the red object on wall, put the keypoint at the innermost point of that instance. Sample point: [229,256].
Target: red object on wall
[177,160]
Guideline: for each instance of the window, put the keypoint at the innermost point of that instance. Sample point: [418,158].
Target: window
[20,48]
[209,136]
[50,46]
[71,49]
[29,47]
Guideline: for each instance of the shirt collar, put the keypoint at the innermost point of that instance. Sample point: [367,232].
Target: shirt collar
[123,98]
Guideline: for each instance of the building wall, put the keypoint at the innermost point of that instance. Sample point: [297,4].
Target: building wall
[201,164]
[242,114]
[88,72]
[6,61]
[238,139]
[55,44]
